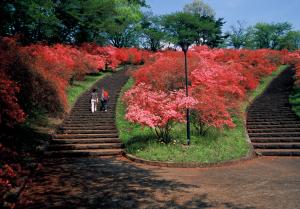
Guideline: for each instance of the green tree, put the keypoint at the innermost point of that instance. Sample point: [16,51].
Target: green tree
[181,27]
[85,20]
[290,41]
[33,19]
[125,27]
[239,36]
[153,34]
[268,35]
[209,29]
[198,7]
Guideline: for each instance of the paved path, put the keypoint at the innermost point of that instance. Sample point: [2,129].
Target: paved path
[116,183]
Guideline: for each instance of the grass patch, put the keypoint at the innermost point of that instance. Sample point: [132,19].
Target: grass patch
[78,87]
[295,100]
[216,146]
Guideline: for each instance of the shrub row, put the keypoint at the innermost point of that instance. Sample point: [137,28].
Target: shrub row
[219,80]
[34,78]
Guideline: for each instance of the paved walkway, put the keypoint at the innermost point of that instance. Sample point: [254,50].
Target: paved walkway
[116,183]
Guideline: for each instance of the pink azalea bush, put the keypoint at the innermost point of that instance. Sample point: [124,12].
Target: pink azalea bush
[156,109]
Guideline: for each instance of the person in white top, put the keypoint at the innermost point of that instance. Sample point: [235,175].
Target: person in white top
[94,100]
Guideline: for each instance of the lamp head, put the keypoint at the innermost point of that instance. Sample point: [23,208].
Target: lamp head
[184,45]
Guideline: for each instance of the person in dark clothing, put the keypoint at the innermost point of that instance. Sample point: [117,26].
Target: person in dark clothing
[104,98]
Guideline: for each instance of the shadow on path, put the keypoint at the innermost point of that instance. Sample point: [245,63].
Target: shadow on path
[108,183]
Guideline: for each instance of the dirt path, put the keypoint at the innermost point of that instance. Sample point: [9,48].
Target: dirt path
[116,183]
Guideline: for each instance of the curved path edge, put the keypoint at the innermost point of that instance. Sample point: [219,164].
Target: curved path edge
[250,156]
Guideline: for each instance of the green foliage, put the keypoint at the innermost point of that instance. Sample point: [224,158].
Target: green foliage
[194,29]
[84,21]
[72,21]
[200,8]
[264,35]
[124,28]
[34,19]
[153,33]
[181,27]
[238,36]
[291,41]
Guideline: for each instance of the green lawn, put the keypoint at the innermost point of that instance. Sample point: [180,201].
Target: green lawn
[216,146]
[78,87]
[295,100]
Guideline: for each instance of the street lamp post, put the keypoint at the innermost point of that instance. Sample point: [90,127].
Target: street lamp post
[185,47]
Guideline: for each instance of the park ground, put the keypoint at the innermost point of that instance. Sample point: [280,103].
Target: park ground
[262,183]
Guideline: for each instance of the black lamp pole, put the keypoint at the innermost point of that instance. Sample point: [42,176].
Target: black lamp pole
[185,47]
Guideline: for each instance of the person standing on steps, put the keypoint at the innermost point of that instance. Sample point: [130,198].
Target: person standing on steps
[104,98]
[94,100]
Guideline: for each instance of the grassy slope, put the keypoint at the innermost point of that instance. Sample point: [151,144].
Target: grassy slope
[295,100]
[215,147]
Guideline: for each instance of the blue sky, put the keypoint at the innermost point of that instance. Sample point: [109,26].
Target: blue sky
[249,11]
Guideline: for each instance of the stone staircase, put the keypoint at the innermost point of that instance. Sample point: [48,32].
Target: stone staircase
[84,133]
[273,128]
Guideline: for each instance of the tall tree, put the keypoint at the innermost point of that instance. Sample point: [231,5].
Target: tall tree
[181,27]
[33,19]
[209,29]
[268,35]
[198,7]
[85,20]
[124,29]
[153,33]
[238,36]
[290,41]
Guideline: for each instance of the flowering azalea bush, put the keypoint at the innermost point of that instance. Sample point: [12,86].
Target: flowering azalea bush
[293,58]
[156,109]
[218,82]
[113,56]
[10,171]
[10,111]
[35,77]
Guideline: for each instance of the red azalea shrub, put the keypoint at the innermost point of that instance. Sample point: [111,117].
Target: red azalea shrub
[293,58]
[11,171]
[219,80]
[10,111]
[165,72]
[113,56]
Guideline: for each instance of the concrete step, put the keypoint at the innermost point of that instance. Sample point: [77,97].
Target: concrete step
[275,134]
[260,117]
[86,141]
[276,145]
[278,152]
[274,139]
[80,127]
[273,126]
[82,136]
[85,146]
[84,153]
[271,130]
[251,120]
[90,120]
[88,123]
[101,131]
[273,123]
